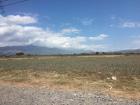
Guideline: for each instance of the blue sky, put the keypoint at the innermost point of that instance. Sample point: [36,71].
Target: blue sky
[85,24]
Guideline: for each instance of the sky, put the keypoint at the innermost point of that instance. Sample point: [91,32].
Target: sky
[97,25]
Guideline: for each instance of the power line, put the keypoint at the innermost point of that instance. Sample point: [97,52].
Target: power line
[11,3]
[5,3]
[2,11]
[3,0]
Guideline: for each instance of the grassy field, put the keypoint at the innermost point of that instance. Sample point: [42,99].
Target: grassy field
[120,73]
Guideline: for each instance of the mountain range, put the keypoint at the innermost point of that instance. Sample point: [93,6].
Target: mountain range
[129,51]
[37,50]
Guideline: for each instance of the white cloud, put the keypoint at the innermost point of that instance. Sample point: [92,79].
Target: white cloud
[87,21]
[99,37]
[16,19]
[130,24]
[18,34]
[124,23]
[70,30]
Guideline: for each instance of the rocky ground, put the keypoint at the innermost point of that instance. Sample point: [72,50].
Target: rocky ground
[13,95]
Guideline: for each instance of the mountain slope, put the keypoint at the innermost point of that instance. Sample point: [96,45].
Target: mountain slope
[130,51]
[36,50]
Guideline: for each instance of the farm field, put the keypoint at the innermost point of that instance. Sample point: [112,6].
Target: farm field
[119,75]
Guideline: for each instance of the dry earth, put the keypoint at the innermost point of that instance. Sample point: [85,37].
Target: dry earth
[28,95]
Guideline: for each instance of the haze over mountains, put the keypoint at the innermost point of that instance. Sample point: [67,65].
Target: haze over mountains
[37,50]
[130,51]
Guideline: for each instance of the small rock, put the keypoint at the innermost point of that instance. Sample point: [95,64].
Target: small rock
[114,78]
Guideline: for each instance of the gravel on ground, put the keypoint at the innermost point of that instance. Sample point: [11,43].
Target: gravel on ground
[13,95]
